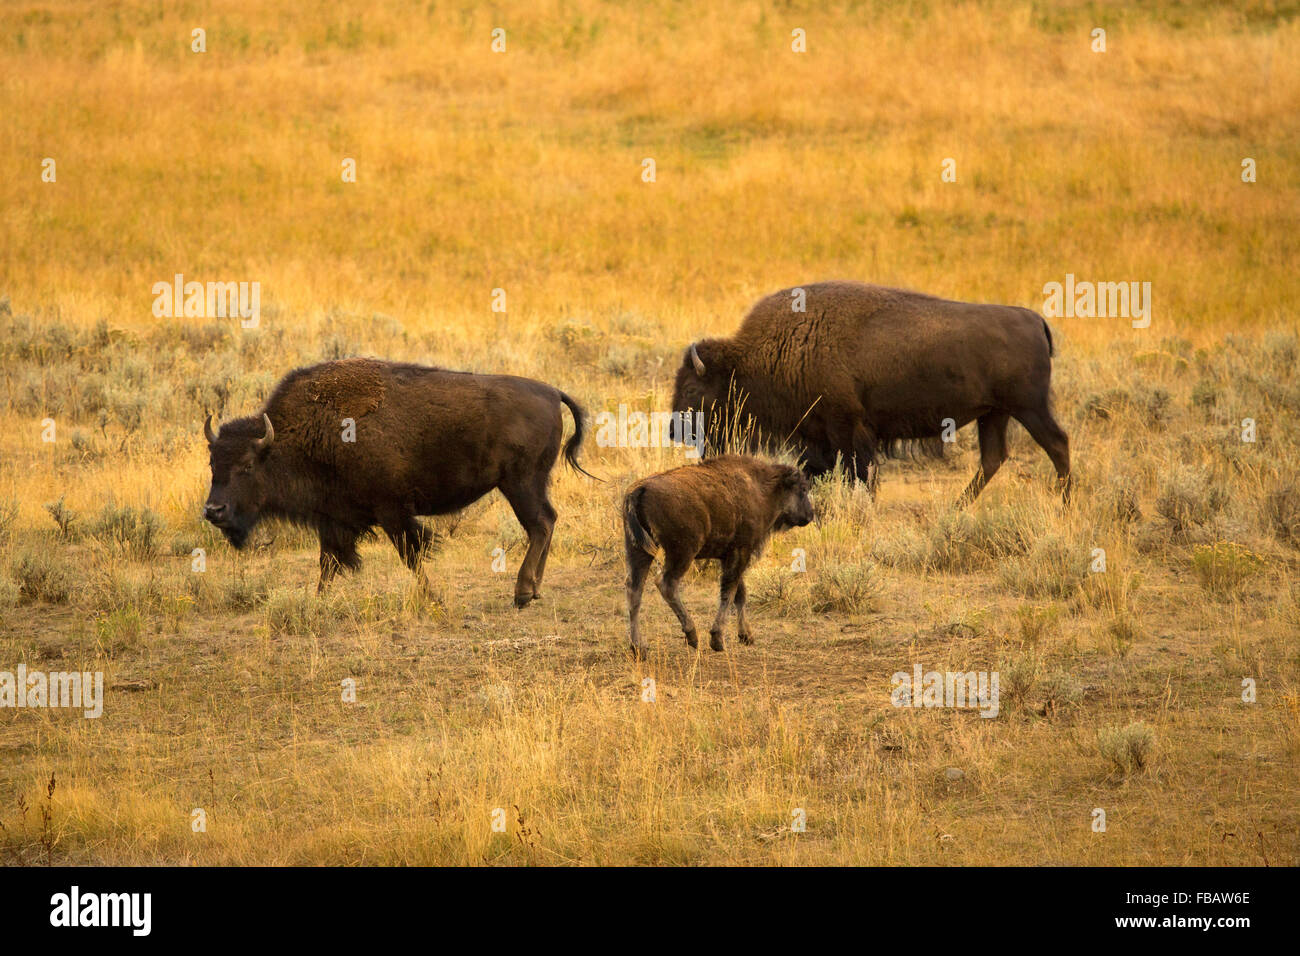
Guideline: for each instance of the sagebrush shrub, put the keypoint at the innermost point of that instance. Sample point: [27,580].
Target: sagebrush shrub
[1189,499]
[40,577]
[133,531]
[1127,748]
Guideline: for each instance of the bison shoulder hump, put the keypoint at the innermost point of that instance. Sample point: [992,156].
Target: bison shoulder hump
[350,388]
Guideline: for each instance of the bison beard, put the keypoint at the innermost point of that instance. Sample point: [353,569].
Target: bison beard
[866,372]
[344,446]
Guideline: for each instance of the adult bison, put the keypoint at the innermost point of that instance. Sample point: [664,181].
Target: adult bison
[861,371]
[344,446]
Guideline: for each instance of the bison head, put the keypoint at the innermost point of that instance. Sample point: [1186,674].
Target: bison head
[792,491]
[237,456]
[704,386]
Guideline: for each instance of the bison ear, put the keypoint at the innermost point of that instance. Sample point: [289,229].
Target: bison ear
[790,477]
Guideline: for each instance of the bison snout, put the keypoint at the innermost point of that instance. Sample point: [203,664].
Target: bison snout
[216,513]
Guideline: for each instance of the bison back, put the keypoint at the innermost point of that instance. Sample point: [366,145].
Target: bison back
[435,438]
[905,361]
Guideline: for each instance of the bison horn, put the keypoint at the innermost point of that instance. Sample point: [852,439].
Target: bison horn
[265,441]
[208,433]
[697,361]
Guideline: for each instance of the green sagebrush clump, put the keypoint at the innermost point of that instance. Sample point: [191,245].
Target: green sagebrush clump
[1128,749]
[1054,566]
[41,576]
[960,541]
[65,518]
[777,589]
[852,588]
[133,532]
[1189,499]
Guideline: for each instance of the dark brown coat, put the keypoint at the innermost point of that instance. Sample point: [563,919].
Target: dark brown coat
[724,508]
[866,370]
[344,446]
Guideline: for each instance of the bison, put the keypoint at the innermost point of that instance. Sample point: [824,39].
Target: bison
[865,372]
[343,446]
[725,508]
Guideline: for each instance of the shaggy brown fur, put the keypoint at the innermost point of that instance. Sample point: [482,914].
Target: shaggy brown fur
[723,508]
[427,442]
[866,368]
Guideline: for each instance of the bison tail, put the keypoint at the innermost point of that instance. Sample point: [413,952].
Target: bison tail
[634,531]
[575,441]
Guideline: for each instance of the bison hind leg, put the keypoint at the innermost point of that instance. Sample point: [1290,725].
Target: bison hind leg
[533,509]
[993,452]
[1045,430]
[733,566]
[638,569]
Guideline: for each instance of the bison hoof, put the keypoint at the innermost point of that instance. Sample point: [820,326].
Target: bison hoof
[715,641]
[692,639]
[746,637]
[639,651]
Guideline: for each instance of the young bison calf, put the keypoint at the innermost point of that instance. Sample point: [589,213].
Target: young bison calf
[723,508]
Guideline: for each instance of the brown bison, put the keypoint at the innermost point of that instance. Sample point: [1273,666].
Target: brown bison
[725,508]
[863,372]
[344,446]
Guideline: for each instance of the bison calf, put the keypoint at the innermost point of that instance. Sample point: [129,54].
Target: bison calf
[344,446]
[723,508]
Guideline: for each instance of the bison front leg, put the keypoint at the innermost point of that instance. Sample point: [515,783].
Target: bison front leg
[865,466]
[856,444]
[412,540]
[733,566]
[742,626]
[329,569]
[338,550]
[675,566]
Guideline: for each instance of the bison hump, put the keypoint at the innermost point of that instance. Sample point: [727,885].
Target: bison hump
[351,388]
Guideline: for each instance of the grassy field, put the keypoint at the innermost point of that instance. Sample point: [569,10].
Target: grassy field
[522,171]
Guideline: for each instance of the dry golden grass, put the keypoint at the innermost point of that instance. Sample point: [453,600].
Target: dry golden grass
[522,171]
